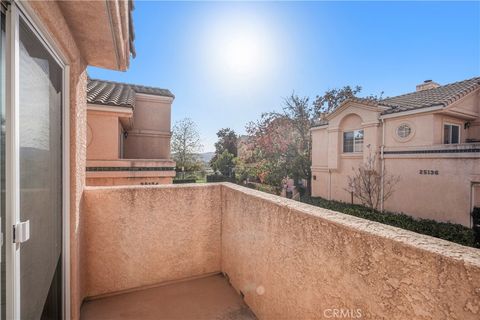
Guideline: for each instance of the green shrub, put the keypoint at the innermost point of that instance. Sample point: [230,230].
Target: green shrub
[447,231]
[220,178]
[476,225]
[178,181]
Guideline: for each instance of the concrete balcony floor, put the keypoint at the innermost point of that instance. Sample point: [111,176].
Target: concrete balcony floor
[211,297]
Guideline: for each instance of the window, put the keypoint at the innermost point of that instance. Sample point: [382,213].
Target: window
[353,141]
[451,133]
[403,131]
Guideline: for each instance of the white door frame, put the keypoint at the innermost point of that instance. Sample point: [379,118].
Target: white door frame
[16,10]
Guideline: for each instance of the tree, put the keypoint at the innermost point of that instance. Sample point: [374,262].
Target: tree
[227,141]
[185,144]
[224,163]
[282,141]
[366,183]
[332,98]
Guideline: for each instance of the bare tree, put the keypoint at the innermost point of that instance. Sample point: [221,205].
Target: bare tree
[366,183]
[185,143]
[332,98]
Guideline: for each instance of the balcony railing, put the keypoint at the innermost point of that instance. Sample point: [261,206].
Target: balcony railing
[129,171]
[440,150]
[287,259]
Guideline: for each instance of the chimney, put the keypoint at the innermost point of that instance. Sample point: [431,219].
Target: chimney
[427,84]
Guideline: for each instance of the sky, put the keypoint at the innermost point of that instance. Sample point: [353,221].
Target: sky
[228,62]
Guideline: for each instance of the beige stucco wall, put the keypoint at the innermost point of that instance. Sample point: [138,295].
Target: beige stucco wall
[140,236]
[147,146]
[103,137]
[424,132]
[289,260]
[51,19]
[295,261]
[443,197]
[150,136]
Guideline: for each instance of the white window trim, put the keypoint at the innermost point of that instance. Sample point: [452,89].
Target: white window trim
[409,137]
[17,10]
[343,141]
[459,132]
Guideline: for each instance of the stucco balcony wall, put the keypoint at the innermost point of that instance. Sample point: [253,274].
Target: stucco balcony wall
[289,260]
[141,236]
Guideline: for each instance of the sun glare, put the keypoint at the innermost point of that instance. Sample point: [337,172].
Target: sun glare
[242,53]
[240,49]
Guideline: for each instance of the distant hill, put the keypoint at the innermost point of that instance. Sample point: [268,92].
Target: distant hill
[206,156]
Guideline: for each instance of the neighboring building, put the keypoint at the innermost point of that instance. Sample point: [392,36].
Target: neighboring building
[430,138]
[128,134]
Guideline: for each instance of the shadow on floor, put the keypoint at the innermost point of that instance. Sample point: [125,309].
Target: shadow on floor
[211,297]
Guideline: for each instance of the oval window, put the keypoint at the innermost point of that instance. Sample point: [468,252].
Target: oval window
[404,130]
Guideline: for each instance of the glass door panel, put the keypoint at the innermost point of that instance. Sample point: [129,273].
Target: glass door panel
[40,127]
[2,165]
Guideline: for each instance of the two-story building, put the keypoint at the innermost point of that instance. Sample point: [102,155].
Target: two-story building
[429,138]
[128,134]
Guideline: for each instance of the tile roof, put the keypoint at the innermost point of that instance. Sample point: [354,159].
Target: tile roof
[119,94]
[440,96]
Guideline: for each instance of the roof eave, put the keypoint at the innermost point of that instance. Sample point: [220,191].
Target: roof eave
[412,111]
[105,39]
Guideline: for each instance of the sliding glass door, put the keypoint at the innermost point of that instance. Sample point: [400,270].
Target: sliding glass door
[40,128]
[34,192]
[2,166]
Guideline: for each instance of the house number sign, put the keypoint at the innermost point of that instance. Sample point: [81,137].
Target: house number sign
[428,172]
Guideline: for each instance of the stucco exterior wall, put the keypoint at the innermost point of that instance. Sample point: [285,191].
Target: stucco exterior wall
[446,196]
[469,104]
[147,146]
[295,261]
[51,19]
[319,147]
[140,236]
[103,136]
[424,132]
[150,136]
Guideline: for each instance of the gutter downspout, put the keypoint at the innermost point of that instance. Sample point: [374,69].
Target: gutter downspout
[382,161]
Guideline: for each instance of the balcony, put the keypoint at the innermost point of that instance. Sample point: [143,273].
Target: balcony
[145,245]
[130,171]
[460,150]
[209,297]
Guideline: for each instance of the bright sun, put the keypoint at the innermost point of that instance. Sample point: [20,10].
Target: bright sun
[240,49]
[242,53]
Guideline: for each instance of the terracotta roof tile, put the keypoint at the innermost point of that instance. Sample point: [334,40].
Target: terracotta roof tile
[440,96]
[119,94]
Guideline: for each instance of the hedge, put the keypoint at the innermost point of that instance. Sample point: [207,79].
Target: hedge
[220,178]
[447,231]
[177,181]
[476,225]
